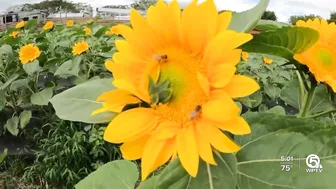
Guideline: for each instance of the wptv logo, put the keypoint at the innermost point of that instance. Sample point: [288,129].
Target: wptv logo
[314,164]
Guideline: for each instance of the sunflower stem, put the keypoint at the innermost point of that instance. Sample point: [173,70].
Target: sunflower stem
[322,113]
[308,98]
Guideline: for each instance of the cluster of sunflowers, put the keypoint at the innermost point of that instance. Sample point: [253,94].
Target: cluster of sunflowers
[30,52]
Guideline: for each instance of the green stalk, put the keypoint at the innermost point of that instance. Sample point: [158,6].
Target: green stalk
[308,98]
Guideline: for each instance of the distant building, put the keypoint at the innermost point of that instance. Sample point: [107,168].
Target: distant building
[8,18]
[69,15]
[35,14]
[116,13]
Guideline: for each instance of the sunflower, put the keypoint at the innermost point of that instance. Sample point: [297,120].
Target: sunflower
[29,53]
[245,56]
[20,24]
[90,21]
[80,47]
[113,30]
[267,60]
[69,23]
[87,31]
[321,57]
[49,25]
[14,34]
[175,86]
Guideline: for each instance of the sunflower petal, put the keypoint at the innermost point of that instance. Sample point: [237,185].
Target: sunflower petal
[204,147]
[187,150]
[203,81]
[224,20]
[220,75]
[133,150]
[236,126]
[241,86]
[123,129]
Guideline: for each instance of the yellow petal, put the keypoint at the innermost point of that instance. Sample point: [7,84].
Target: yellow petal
[130,125]
[204,82]
[241,86]
[224,20]
[116,100]
[167,152]
[133,150]
[167,129]
[236,126]
[220,110]
[187,150]
[220,75]
[127,86]
[203,145]
[219,140]
[99,111]
[198,29]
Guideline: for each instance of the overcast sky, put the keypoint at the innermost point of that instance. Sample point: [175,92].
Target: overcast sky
[282,8]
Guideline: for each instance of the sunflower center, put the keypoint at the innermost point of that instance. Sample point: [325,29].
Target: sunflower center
[326,57]
[181,69]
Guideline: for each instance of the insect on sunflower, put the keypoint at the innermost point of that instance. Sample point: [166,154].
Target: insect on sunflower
[175,86]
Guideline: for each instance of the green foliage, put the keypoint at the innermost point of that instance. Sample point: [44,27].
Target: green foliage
[332,17]
[239,22]
[119,174]
[3,155]
[266,25]
[143,4]
[78,103]
[69,152]
[269,15]
[295,18]
[283,42]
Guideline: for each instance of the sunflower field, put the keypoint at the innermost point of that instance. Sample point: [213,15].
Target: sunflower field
[180,99]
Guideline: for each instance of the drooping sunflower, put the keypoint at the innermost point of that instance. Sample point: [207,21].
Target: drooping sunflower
[245,56]
[29,53]
[20,24]
[14,34]
[69,23]
[87,30]
[321,57]
[80,48]
[183,78]
[267,60]
[48,25]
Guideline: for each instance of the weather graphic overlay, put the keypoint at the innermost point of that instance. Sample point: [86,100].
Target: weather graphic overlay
[286,163]
[314,164]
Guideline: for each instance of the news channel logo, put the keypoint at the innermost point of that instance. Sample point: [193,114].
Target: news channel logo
[313,163]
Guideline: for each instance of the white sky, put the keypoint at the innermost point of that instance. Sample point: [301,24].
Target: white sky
[283,8]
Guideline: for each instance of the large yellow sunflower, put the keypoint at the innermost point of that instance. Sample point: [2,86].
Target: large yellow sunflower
[48,25]
[29,53]
[321,57]
[181,68]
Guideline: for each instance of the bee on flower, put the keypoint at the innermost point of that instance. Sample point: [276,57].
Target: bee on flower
[187,79]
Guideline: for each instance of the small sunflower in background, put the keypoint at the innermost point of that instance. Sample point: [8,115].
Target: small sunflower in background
[29,53]
[113,31]
[80,47]
[87,30]
[90,21]
[321,57]
[14,34]
[69,23]
[20,24]
[267,60]
[245,56]
[48,25]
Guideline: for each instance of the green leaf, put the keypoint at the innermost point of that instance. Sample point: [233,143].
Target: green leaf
[272,91]
[2,100]
[118,174]
[3,155]
[253,100]
[290,93]
[277,110]
[31,67]
[69,68]
[239,21]
[12,125]
[9,81]
[78,103]
[266,25]
[6,49]
[320,102]
[42,98]
[283,42]
[30,24]
[101,32]
[274,136]
[25,117]
[221,176]
[18,84]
